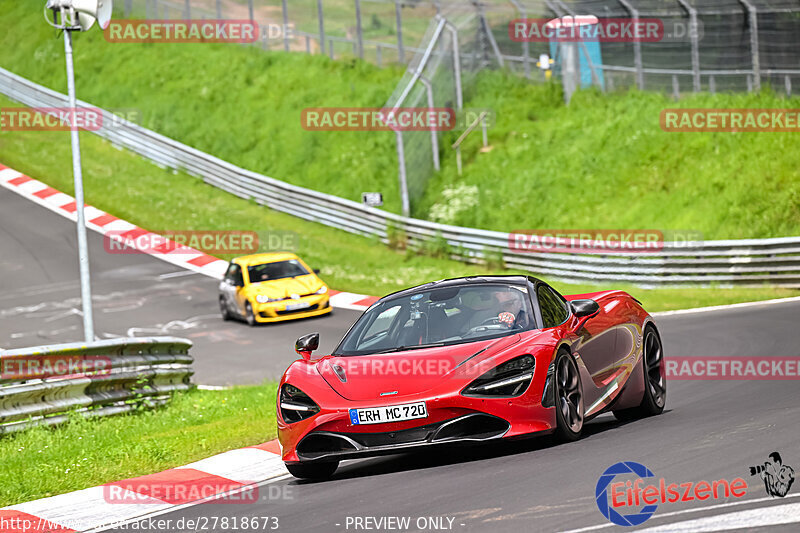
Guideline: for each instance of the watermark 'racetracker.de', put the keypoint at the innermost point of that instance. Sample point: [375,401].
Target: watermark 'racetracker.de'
[730,120]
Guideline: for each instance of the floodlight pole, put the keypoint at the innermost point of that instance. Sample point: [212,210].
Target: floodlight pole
[83,252]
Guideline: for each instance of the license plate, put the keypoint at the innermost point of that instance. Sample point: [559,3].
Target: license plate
[299,305]
[388,413]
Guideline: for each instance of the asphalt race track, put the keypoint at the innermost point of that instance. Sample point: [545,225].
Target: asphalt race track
[133,294]
[710,430]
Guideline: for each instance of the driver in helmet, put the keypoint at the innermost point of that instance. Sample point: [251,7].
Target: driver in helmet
[501,306]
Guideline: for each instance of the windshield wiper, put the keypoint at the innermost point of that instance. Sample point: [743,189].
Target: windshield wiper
[414,347]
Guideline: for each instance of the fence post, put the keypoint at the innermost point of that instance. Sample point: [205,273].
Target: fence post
[788,83]
[676,90]
[637,45]
[285,10]
[526,53]
[693,31]
[401,53]
[753,23]
[401,167]
[359,33]
[434,135]
[321,27]
[456,64]
[187,10]
[219,10]
[712,85]
[250,9]
[378,55]
[330,48]
[128,7]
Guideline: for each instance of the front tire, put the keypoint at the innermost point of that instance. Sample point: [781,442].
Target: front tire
[249,316]
[569,398]
[223,309]
[655,380]
[316,471]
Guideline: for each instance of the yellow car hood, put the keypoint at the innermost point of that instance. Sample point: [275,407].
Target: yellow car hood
[286,287]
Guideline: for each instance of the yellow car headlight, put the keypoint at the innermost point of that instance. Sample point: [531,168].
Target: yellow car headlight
[322,290]
[263,299]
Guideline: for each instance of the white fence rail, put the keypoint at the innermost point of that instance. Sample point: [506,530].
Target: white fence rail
[42,385]
[725,263]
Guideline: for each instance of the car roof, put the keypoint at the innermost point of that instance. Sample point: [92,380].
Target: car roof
[270,257]
[469,280]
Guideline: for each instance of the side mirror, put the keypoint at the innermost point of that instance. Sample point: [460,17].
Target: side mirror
[582,308]
[316,270]
[307,344]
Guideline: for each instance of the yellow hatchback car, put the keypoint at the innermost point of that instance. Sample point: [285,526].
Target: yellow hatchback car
[271,287]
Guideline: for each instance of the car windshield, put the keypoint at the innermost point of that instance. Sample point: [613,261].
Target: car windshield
[276,270]
[439,317]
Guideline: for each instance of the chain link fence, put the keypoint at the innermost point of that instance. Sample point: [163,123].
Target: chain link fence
[706,45]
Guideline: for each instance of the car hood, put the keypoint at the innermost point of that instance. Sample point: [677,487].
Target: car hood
[394,375]
[286,287]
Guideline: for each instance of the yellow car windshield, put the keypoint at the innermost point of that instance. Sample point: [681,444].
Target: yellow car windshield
[276,270]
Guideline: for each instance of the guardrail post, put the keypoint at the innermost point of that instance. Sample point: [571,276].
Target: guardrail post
[753,23]
[285,12]
[637,45]
[693,31]
[359,32]
[401,53]
[321,27]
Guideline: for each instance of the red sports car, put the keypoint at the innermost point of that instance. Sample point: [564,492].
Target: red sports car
[468,360]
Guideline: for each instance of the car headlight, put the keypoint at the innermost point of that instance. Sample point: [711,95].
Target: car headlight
[296,405]
[508,379]
[263,299]
[322,290]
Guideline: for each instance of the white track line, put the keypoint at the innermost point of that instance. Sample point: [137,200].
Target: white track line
[726,307]
[656,516]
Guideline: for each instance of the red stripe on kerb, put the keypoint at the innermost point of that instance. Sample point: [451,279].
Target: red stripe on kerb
[369,300]
[271,446]
[45,193]
[176,486]
[20,180]
[104,219]
[203,260]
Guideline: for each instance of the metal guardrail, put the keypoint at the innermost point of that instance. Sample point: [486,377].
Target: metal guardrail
[754,262]
[124,374]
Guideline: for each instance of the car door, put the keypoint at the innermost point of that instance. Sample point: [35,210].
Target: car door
[597,346]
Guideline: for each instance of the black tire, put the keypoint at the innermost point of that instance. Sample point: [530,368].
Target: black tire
[569,398]
[223,309]
[655,385]
[312,470]
[249,316]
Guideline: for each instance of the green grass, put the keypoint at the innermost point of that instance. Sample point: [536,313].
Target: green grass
[603,162]
[138,191]
[43,462]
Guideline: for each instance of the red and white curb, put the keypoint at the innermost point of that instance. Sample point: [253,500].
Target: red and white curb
[107,224]
[232,474]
